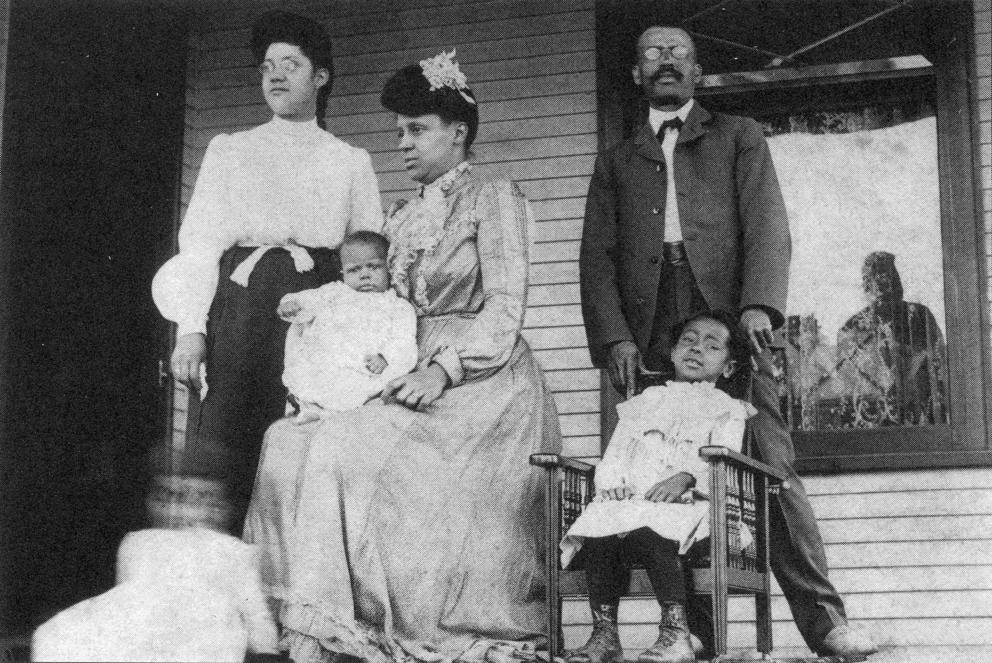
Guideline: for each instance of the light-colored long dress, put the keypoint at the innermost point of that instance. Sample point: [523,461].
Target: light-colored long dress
[391,534]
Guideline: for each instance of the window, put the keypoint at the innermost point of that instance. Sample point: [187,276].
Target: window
[865,106]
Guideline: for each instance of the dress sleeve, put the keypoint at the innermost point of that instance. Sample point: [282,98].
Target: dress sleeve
[400,347]
[488,343]
[190,279]
[310,301]
[366,205]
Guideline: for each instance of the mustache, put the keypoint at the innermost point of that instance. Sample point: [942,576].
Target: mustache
[667,70]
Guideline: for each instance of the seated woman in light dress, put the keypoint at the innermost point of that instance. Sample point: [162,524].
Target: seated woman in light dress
[644,512]
[409,528]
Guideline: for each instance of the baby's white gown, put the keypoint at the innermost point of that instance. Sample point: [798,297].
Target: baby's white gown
[325,356]
[659,435]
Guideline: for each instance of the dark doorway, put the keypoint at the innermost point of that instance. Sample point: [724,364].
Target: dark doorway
[92,144]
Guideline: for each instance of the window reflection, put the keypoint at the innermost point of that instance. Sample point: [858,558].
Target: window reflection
[865,346]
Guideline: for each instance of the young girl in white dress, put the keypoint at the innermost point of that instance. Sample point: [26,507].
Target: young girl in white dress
[644,512]
[348,338]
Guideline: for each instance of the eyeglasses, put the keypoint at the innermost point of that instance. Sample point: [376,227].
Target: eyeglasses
[286,65]
[679,52]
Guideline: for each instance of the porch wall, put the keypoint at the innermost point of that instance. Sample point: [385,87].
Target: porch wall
[910,551]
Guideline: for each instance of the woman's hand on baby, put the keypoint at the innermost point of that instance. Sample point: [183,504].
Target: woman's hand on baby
[621,493]
[375,363]
[417,390]
[190,352]
[671,489]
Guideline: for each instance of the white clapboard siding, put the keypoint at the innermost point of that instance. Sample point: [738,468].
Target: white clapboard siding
[532,65]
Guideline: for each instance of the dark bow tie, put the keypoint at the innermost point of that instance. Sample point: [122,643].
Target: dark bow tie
[674,123]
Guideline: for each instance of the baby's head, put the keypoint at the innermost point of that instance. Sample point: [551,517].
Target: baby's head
[709,347]
[363,261]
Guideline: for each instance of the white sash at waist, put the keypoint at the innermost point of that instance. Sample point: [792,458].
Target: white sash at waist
[301,260]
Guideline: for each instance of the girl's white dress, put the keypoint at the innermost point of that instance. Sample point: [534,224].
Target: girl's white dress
[330,337]
[659,435]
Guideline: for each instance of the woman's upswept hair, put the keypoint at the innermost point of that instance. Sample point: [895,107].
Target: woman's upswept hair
[284,27]
[408,92]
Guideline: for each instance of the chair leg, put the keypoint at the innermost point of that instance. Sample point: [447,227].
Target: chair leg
[556,640]
[763,622]
[719,622]
[718,555]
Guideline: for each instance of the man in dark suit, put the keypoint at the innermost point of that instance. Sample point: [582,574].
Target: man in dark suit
[661,243]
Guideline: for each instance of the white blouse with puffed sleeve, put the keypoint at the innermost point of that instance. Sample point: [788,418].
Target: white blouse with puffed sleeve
[285,184]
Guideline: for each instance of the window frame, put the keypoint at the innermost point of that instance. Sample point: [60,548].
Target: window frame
[964,442]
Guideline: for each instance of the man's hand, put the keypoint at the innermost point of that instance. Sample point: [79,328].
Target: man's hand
[375,363]
[190,352]
[671,489]
[417,390]
[758,327]
[622,366]
[621,493]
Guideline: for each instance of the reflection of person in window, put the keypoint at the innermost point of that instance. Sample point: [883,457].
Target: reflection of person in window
[891,352]
[812,373]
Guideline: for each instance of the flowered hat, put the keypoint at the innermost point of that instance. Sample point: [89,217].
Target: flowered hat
[435,85]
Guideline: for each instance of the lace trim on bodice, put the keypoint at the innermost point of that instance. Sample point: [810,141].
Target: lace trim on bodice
[417,227]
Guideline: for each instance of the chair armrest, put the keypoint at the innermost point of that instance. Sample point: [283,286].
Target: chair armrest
[549,461]
[708,452]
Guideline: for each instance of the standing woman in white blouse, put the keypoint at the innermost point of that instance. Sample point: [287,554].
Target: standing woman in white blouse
[270,207]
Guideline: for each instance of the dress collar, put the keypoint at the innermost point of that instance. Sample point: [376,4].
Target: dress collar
[443,185]
[290,128]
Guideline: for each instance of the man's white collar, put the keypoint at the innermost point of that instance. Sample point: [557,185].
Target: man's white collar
[656,117]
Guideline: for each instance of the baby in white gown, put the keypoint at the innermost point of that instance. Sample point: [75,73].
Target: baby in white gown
[348,339]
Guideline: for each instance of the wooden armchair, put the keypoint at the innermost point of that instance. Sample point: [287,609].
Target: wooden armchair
[739,491]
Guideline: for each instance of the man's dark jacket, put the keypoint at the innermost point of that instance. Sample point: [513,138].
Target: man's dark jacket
[733,222]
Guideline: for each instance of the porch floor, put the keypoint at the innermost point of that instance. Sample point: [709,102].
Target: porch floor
[973,654]
[942,654]
[16,650]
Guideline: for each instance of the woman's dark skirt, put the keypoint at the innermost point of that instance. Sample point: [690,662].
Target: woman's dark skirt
[245,349]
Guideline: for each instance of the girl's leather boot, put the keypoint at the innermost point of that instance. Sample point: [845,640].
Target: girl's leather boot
[672,645]
[604,643]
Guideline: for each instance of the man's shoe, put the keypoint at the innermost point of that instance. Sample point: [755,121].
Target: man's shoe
[846,641]
[673,644]
[604,643]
